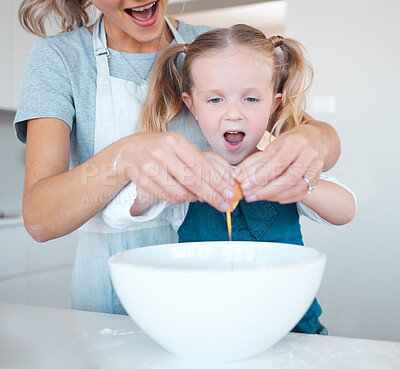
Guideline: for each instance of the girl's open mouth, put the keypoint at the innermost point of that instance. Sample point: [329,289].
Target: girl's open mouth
[233,139]
[145,15]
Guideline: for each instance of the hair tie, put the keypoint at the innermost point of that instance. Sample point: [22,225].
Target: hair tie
[185,48]
[280,54]
[277,42]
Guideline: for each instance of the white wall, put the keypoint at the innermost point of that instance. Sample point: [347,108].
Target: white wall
[355,49]
[267,16]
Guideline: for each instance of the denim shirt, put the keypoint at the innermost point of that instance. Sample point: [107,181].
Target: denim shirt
[257,221]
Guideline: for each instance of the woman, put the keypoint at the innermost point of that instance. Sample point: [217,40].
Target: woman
[80,101]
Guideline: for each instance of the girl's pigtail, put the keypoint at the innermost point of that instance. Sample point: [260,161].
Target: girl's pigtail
[293,79]
[164,99]
[69,14]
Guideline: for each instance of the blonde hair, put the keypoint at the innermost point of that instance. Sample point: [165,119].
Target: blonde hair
[69,14]
[290,72]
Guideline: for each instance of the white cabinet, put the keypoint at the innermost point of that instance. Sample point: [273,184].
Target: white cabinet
[47,288]
[15,46]
[13,248]
[5,54]
[34,273]
[21,45]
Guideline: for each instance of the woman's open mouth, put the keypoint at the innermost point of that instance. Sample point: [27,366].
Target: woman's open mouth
[145,15]
[233,139]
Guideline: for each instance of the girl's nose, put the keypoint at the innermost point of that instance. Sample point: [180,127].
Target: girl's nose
[233,112]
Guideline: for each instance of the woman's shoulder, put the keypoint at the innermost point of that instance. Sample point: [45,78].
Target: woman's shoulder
[190,32]
[78,40]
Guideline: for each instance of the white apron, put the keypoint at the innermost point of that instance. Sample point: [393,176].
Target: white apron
[118,106]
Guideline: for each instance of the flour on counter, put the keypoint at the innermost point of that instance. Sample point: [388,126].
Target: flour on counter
[117,332]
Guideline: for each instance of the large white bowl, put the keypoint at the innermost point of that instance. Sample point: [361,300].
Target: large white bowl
[217,301]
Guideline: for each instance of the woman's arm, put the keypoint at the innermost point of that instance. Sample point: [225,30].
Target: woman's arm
[330,142]
[274,174]
[58,200]
[331,202]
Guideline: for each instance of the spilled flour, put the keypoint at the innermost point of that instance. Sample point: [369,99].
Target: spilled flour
[117,332]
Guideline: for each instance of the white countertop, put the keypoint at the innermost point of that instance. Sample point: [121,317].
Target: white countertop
[35,337]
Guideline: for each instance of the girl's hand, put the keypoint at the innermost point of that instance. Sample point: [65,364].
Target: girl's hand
[170,168]
[277,173]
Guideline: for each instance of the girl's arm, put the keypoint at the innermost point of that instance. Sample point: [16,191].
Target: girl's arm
[121,214]
[134,205]
[57,200]
[332,202]
[143,201]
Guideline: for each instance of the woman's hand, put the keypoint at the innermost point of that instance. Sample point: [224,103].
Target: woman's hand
[277,173]
[170,168]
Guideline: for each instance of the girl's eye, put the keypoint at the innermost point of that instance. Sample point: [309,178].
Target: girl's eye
[251,99]
[215,100]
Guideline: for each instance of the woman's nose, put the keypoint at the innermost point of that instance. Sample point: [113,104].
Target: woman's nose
[233,112]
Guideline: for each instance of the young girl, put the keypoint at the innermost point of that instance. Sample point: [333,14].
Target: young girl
[238,84]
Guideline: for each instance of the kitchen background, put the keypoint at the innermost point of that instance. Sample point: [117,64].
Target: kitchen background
[354,48]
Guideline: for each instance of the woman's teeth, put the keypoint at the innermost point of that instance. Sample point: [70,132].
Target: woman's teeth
[143,7]
[144,13]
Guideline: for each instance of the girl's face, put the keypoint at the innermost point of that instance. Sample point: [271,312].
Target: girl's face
[232,100]
[142,20]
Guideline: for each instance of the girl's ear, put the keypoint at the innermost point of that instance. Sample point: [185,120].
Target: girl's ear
[277,99]
[188,102]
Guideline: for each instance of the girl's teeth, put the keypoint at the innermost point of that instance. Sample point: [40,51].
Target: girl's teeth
[143,8]
[234,137]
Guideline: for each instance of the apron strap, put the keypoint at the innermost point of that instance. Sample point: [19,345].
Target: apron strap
[101,51]
[179,39]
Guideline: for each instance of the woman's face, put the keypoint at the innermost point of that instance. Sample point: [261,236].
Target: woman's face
[232,99]
[142,20]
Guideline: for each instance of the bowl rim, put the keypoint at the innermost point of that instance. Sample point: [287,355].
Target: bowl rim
[118,259]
